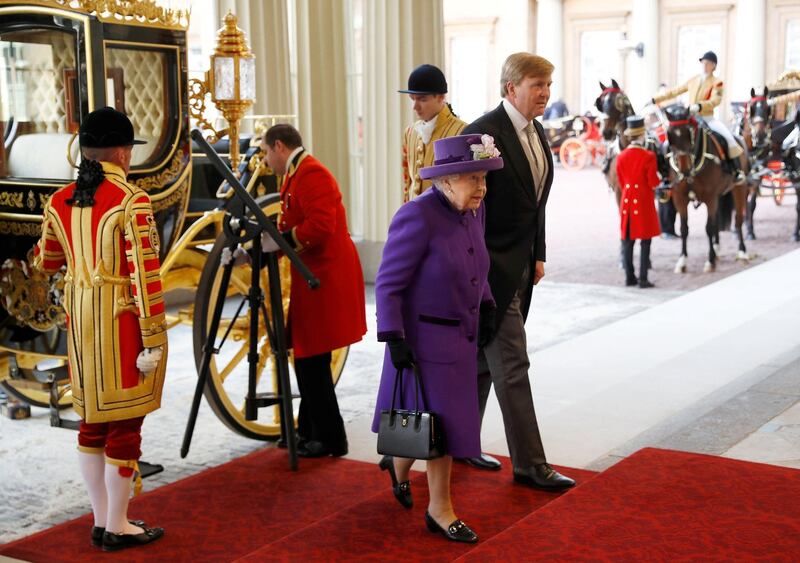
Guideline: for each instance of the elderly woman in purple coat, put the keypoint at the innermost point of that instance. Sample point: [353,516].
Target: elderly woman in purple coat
[434,305]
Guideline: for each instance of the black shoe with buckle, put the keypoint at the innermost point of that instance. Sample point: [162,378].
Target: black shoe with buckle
[484,461]
[456,531]
[544,477]
[401,491]
[116,542]
[313,448]
[97,532]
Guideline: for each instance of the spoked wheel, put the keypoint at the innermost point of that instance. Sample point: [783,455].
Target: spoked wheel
[226,387]
[573,154]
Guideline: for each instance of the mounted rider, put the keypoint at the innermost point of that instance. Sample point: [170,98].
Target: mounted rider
[705,93]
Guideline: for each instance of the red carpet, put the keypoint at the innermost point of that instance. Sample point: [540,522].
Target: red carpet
[660,505]
[222,513]
[379,529]
[656,505]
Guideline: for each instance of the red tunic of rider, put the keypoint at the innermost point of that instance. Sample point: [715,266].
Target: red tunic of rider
[637,170]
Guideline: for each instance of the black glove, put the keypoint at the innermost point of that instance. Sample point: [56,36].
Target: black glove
[400,353]
[487,324]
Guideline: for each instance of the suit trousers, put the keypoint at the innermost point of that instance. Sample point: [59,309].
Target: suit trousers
[504,362]
[319,418]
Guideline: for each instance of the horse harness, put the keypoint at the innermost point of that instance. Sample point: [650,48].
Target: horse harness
[701,153]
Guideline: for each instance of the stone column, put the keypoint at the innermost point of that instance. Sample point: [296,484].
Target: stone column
[550,40]
[322,85]
[643,72]
[745,68]
[266,25]
[399,35]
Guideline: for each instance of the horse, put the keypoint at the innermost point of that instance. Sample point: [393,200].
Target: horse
[696,169]
[615,107]
[766,145]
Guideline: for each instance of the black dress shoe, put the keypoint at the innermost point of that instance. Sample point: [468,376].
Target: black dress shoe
[97,532]
[115,542]
[630,282]
[401,491]
[313,448]
[644,284]
[484,461]
[543,476]
[456,531]
[283,444]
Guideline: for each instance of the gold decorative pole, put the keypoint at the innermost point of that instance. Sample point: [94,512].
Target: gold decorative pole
[231,80]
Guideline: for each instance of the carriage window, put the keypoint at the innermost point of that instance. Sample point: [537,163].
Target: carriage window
[137,85]
[39,103]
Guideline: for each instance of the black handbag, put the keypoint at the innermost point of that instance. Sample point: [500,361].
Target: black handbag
[414,433]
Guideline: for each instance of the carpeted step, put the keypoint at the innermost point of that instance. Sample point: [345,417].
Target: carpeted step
[379,529]
[659,505]
[222,513]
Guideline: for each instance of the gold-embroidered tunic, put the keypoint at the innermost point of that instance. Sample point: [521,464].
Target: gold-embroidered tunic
[112,296]
[417,154]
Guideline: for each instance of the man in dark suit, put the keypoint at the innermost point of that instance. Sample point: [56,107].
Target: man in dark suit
[515,236]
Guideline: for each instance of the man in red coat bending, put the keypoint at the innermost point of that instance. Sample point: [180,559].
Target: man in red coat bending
[637,170]
[313,221]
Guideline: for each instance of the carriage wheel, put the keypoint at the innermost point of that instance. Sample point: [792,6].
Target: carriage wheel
[226,387]
[573,154]
[777,195]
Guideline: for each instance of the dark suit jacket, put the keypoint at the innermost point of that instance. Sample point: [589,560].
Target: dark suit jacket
[515,222]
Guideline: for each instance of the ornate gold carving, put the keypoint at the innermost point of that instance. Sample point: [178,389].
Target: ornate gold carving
[31,200]
[174,198]
[163,178]
[12,199]
[20,229]
[33,298]
[143,12]
[198,90]
[43,199]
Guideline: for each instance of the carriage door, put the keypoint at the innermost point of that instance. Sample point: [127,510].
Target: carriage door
[41,98]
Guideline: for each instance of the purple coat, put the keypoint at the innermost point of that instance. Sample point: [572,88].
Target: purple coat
[429,289]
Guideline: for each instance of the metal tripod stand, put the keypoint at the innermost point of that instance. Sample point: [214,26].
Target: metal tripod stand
[245,221]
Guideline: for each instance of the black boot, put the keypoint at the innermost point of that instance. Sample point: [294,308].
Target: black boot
[736,170]
[644,263]
[627,260]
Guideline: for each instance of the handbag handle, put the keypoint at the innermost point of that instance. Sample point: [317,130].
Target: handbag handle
[419,390]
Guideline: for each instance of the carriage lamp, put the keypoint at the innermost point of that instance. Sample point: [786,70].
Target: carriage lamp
[231,82]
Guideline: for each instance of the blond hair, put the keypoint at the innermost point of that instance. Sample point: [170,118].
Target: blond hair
[520,65]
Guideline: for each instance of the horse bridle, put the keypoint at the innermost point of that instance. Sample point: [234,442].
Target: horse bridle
[694,166]
[767,125]
[620,104]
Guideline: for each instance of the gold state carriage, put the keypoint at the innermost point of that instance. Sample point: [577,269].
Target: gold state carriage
[60,60]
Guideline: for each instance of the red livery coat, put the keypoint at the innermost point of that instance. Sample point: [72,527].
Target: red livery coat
[334,315]
[637,170]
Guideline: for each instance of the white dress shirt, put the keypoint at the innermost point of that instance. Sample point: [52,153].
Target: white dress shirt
[534,154]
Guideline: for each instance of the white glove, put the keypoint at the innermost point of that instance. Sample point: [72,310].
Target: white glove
[148,359]
[238,257]
[694,108]
[267,243]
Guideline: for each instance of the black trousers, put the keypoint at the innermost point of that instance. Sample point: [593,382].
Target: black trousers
[319,418]
[644,259]
[666,216]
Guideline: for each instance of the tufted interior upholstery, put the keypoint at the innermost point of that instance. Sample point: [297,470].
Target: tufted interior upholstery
[43,156]
[143,77]
[48,55]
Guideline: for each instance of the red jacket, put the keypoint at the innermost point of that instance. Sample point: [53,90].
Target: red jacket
[637,170]
[334,315]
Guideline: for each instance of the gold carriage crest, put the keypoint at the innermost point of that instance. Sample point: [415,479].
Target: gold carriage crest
[32,297]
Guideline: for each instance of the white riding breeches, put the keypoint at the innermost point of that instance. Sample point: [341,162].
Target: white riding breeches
[791,140]
[734,150]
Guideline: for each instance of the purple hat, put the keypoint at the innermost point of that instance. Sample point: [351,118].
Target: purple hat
[462,154]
